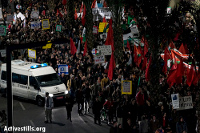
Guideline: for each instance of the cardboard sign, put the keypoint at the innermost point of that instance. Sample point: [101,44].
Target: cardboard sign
[105,50]
[95,30]
[35,14]
[32,53]
[63,68]
[45,24]
[3,53]
[35,24]
[126,87]
[58,28]
[9,18]
[99,59]
[185,103]
[175,101]
[102,25]
[2,30]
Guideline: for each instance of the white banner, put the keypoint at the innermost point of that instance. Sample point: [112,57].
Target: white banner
[35,24]
[100,13]
[185,103]
[175,101]
[105,50]
[99,59]
[35,14]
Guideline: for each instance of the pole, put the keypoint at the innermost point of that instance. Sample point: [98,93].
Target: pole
[9,89]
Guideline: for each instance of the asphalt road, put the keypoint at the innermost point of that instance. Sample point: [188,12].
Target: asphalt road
[27,113]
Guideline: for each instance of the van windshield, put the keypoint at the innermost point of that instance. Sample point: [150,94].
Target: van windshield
[48,80]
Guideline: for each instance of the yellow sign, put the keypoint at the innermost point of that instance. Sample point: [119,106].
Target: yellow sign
[126,87]
[45,24]
[102,25]
[48,45]
[32,53]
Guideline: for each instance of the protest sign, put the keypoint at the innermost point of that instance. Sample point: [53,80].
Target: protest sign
[175,101]
[126,87]
[32,53]
[58,28]
[185,103]
[63,68]
[101,13]
[95,30]
[2,30]
[35,14]
[105,50]
[102,25]
[99,59]
[45,24]
[35,24]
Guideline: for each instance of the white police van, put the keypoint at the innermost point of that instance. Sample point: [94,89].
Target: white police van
[33,80]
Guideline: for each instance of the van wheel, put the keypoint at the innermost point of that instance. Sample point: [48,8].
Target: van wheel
[40,101]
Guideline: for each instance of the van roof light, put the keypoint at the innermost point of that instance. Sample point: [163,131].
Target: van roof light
[37,66]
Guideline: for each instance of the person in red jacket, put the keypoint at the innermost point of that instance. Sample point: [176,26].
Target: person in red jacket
[109,106]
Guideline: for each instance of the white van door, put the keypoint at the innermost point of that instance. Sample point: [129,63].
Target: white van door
[33,88]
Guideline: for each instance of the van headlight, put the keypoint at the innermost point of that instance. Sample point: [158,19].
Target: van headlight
[66,92]
[51,95]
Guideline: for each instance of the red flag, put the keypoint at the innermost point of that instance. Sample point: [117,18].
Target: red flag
[111,67]
[171,79]
[186,49]
[166,57]
[139,54]
[180,72]
[177,36]
[94,4]
[104,4]
[172,45]
[182,49]
[144,63]
[75,15]
[85,49]
[147,75]
[109,39]
[43,12]
[83,17]
[72,47]
[135,55]
[104,19]
[128,45]
[190,75]
[81,9]
[64,2]
[81,39]
[58,13]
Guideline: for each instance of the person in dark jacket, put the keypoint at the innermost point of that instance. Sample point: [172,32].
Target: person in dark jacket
[97,106]
[69,105]
[79,100]
[181,126]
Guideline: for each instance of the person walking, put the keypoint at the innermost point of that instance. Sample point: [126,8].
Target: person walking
[69,105]
[97,106]
[48,108]
[79,100]
[181,126]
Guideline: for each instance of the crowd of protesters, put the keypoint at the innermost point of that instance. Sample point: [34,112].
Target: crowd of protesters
[88,82]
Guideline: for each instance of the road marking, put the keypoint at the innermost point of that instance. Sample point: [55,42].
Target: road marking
[32,123]
[22,106]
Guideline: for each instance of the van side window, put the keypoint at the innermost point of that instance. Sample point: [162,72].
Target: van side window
[15,77]
[3,75]
[32,81]
[23,79]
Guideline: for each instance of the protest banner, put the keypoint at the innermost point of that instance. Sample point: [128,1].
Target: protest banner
[175,101]
[58,28]
[126,87]
[32,53]
[99,59]
[63,68]
[102,25]
[45,24]
[101,13]
[2,30]
[95,30]
[105,50]
[35,24]
[35,14]
[185,103]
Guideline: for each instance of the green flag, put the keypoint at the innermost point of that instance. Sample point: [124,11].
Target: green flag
[130,18]
[105,29]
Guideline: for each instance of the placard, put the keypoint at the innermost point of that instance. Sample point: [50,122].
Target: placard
[185,103]
[58,28]
[63,68]
[2,30]
[99,59]
[126,87]
[35,14]
[45,24]
[95,30]
[32,53]
[9,18]
[102,26]
[105,50]
[35,24]
[175,101]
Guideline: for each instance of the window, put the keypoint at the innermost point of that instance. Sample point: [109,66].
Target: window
[33,82]
[23,79]
[15,77]
[3,75]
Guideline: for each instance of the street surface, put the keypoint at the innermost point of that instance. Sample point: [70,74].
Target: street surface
[27,113]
